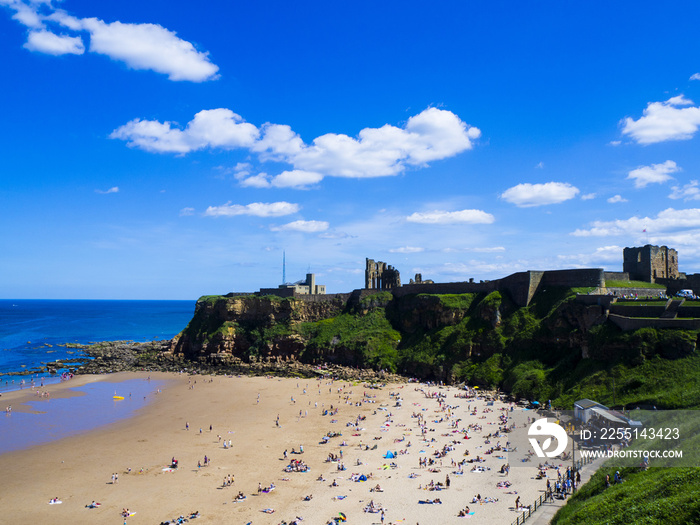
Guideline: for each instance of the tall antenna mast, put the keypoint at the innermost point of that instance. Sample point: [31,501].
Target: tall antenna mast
[284,267]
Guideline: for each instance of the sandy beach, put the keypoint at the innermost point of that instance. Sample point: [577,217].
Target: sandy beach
[197,416]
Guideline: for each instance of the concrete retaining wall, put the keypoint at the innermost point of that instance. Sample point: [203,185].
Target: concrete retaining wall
[627,324]
[628,310]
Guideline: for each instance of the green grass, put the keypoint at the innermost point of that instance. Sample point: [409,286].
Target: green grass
[656,496]
[461,301]
[664,383]
[376,300]
[641,302]
[210,299]
[365,340]
[633,284]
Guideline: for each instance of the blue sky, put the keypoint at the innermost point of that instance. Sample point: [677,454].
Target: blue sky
[167,150]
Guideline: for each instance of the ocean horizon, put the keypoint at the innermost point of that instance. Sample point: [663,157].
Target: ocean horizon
[31,330]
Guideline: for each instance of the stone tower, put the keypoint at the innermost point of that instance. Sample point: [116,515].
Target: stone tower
[649,263]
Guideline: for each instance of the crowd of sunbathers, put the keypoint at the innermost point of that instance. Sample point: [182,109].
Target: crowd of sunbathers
[373,507]
[297,465]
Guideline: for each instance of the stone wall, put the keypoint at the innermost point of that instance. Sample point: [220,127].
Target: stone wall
[520,286]
[585,277]
[523,286]
[637,310]
[445,288]
[690,282]
[322,298]
[689,311]
[596,299]
[279,292]
[629,323]
[617,276]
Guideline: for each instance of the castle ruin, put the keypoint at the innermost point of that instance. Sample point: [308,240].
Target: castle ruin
[649,263]
[381,276]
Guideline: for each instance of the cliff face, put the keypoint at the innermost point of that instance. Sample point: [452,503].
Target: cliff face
[443,337]
[229,327]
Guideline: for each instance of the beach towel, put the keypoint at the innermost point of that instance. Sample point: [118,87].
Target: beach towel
[58,502]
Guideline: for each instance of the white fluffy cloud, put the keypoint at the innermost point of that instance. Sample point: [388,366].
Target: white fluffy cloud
[407,249]
[529,195]
[602,256]
[654,174]
[298,179]
[667,221]
[149,46]
[674,119]
[257,209]
[303,226]
[431,135]
[26,13]
[278,142]
[688,192]
[261,180]
[213,128]
[616,198]
[139,46]
[452,217]
[695,76]
[49,43]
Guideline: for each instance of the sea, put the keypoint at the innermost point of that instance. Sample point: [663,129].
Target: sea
[30,334]
[31,330]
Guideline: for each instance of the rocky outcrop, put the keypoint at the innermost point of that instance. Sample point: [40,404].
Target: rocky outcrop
[423,312]
[232,326]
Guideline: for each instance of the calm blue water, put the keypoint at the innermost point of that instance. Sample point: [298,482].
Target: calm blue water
[59,418]
[28,326]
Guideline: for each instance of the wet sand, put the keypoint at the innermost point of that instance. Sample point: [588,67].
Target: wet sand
[79,469]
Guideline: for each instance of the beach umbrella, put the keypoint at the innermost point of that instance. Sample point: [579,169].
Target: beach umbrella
[342,516]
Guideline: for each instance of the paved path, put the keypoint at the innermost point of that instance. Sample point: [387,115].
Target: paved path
[544,514]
